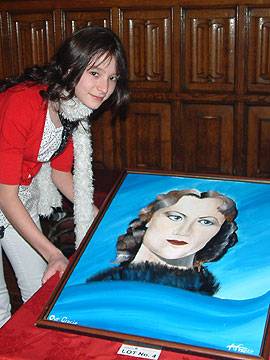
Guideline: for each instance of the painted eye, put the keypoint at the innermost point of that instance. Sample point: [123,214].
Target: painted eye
[206,222]
[174,216]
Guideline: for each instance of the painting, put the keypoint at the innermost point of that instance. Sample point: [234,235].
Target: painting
[176,260]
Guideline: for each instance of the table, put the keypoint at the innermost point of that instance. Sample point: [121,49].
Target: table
[20,339]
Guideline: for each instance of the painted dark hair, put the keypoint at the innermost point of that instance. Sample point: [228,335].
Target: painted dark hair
[129,243]
[83,48]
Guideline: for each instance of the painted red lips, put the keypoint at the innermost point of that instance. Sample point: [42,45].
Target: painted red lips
[177,242]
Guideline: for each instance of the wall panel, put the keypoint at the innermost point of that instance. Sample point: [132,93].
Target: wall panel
[76,19]
[147,39]
[199,78]
[31,39]
[208,134]
[210,49]
[258,141]
[259,50]
[147,133]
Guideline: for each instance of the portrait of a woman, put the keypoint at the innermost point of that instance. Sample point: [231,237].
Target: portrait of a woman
[165,261]
[173,237]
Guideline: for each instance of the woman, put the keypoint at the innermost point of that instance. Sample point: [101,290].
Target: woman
[172,239]
[43,113]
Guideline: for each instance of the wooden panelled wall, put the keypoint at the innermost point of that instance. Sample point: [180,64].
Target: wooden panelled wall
[199,78]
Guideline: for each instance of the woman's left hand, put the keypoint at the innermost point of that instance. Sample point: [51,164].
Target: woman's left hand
[56,263]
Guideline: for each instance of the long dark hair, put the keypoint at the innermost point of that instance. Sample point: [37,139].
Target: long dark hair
[65,69]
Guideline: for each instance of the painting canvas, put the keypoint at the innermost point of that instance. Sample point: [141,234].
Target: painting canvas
[174,260]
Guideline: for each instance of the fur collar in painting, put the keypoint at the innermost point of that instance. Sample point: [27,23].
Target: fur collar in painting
[202,282]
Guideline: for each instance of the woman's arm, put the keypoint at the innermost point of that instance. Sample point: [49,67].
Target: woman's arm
[64,182]
[20,219]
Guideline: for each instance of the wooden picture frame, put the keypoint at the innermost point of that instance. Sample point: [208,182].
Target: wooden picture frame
[105,294]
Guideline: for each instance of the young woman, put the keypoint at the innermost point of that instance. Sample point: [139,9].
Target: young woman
[44,117]
[173,237]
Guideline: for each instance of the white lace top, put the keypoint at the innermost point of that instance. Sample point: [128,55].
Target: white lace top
[51,139]
[50,142]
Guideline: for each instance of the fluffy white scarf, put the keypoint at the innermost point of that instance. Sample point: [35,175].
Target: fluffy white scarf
[83,183]
[73,110]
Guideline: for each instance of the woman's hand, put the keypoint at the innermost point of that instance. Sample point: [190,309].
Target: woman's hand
[95,210]
[56,263]
[19,217]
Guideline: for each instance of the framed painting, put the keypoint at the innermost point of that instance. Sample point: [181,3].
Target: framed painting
[175,260]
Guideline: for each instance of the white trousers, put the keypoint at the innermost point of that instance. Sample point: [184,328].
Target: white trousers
[27,264]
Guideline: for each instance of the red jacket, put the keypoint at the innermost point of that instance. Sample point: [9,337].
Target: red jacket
[22,120]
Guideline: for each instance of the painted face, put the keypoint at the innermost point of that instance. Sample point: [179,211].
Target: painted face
[97,82]
[184,228]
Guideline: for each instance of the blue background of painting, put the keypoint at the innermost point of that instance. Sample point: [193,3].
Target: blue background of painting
[236,315]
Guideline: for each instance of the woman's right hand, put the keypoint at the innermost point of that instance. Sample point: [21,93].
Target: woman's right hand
[56,263]
[19,217]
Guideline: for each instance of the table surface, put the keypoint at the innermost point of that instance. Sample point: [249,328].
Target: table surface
[21,339]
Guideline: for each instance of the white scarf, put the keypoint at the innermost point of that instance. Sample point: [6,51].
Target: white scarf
[83,183]
[73,110]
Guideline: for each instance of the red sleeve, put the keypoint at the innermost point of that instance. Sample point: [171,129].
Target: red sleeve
[16,114]
[64,161]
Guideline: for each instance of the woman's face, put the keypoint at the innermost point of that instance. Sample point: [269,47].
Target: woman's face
[184,228]
[97,82]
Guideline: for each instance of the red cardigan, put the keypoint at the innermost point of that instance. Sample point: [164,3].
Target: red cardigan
[22,120]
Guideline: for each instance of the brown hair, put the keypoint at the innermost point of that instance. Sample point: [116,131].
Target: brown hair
[63,72]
